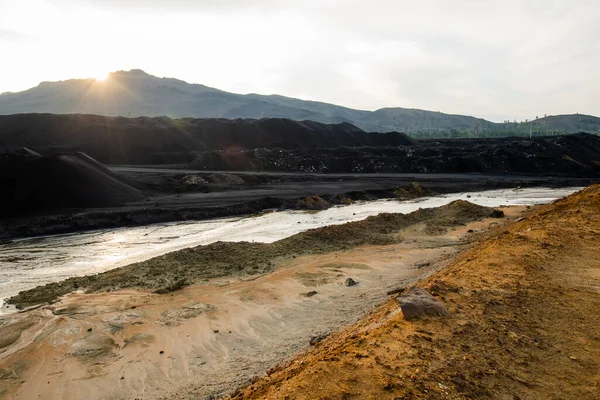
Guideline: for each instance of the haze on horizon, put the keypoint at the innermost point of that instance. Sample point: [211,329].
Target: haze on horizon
[495,59]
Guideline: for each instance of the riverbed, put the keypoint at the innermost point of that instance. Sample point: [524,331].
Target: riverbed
[27,263]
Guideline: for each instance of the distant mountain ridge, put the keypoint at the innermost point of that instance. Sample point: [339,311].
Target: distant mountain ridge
[135,93]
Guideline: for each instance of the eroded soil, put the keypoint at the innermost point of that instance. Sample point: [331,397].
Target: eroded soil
[181,268]
[524,324]
[209,338]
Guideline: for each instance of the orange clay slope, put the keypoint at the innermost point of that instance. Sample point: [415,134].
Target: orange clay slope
[524,324]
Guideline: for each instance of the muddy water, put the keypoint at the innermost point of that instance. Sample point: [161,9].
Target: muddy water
[27,263]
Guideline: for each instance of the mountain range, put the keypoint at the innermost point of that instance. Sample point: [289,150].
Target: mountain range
[135,93]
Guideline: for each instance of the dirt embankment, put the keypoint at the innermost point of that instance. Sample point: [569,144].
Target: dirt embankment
[178,269]
[524,324]
[32,183]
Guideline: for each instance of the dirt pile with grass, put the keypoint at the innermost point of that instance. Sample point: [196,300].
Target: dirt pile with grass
[188,266]
[524,324]
[412,191]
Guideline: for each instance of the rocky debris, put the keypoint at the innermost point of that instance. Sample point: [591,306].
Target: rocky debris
[497,214]
[350,282]
[225,179]
[180,284]
[412,191]
[422,265]
[313,202]
[396,291]
[417,302]
[193,182]
[340,199]
[542,155]
[318,338]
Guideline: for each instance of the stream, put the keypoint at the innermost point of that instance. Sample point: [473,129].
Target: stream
[27,263]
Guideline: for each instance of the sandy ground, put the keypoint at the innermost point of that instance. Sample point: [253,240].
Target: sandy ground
[524,324]
[211,338]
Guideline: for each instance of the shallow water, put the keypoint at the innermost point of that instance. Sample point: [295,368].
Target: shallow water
[28,263]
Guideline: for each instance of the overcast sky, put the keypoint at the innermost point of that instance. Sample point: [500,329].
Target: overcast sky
[493,59]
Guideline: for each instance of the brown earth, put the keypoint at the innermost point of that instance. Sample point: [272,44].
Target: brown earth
[210,338]
[524,324]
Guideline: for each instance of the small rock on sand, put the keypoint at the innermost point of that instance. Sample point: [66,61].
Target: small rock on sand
[319,337]
[418,302]
[497,214]
[350,282]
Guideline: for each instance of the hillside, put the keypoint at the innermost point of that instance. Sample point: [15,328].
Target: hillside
[135,93]
[283,145]
[143,140]
[523,324]
[32,182]
[567,155]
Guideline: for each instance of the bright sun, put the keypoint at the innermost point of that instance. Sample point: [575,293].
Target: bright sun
[101,77]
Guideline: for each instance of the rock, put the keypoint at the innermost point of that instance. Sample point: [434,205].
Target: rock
[313,202]
[340,199]
[417,302]
[95,345]
[350,282]
[422,265]
[396,291]
[497,214]
[412,191]
[194,181]
[180,284]
[310,294]
[319,337]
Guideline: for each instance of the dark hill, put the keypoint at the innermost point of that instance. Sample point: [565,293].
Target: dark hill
[161,140]
[567,155]
[34,182]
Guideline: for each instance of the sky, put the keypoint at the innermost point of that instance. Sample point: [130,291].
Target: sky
[496,59]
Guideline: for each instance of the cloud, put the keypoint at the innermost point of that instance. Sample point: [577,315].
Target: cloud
[494,58]
[11,36]
[169,6]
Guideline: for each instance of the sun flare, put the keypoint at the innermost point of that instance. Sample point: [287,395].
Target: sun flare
[101,77]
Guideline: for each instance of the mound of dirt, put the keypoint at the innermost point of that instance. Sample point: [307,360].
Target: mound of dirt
[524,323]
[412,191]
[162,140]
[340,199]
[570,155]
[188,266]
[33,183]
[314,202]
